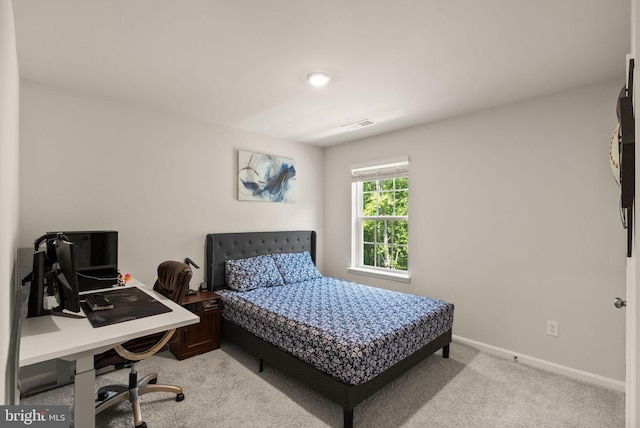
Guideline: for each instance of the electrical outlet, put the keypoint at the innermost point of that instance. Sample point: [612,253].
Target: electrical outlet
[552,328]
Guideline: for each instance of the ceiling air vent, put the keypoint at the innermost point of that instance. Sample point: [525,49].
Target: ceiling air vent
[358,125]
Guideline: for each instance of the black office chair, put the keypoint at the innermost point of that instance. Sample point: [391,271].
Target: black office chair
[173,282]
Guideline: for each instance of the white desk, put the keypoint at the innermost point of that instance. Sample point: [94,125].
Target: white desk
[49,337]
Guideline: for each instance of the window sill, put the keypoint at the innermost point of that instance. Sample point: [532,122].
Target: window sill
[378,273]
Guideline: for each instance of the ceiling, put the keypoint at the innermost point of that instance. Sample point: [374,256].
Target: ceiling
[242,63]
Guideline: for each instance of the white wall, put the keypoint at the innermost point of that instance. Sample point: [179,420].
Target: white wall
[513,214]
[9,102]
[514,219]
[161,181]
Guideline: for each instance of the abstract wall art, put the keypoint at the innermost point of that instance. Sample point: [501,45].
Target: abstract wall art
[265,178]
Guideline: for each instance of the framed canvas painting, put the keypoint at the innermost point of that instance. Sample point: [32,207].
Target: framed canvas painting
[265,178]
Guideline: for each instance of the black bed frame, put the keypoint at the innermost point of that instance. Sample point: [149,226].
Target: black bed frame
[226,246]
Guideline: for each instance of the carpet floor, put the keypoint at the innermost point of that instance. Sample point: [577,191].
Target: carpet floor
[470,389]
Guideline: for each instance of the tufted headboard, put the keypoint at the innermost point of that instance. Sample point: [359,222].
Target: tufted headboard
[220,247]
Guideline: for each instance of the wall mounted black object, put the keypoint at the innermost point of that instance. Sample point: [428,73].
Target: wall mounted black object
[627,154]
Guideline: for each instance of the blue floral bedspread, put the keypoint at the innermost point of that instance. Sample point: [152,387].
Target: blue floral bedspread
[351,331]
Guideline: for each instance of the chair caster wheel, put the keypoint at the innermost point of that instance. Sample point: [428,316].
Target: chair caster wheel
[142,425]
[180,397]
[103,396]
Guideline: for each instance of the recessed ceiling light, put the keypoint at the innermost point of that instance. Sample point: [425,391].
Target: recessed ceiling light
[318,78]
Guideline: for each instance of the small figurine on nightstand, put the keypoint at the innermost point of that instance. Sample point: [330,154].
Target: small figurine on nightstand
[123,278]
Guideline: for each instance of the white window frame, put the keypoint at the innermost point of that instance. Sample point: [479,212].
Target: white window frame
[377,170]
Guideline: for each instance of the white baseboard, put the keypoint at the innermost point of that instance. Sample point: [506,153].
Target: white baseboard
[29,383]
[606,382]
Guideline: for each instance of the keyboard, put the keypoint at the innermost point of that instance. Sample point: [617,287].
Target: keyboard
[97,302]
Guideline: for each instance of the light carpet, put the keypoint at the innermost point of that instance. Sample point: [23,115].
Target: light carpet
[470,389]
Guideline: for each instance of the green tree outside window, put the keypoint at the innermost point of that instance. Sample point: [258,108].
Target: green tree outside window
[385,224]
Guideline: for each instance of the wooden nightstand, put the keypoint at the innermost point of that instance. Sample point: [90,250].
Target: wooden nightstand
[202,337]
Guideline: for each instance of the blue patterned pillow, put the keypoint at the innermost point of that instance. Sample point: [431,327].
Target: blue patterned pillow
[296,267]
[253,272]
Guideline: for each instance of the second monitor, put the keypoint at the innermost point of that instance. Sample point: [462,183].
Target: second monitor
[96,257]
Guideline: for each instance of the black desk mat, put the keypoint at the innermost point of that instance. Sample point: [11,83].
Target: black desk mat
[128,304]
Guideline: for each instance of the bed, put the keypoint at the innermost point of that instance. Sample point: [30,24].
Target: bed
[344,340]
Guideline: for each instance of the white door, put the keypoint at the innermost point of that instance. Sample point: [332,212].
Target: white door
[632,383]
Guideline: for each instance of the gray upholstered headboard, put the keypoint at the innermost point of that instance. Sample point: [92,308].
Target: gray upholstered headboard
[227,246]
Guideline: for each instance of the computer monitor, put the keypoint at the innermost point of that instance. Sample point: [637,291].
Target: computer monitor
[35,306]
[53,278]
[95,256]
[66,275]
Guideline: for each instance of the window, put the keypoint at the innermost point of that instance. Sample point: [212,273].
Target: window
[380,239]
